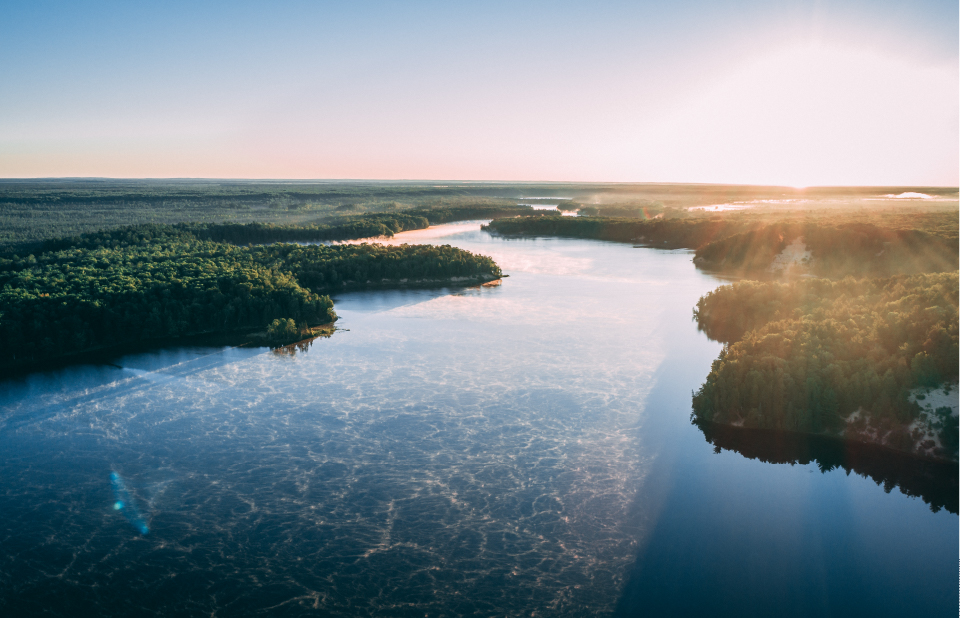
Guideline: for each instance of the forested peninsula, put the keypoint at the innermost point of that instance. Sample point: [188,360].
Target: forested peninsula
[846,358]
[845,324]
[139,284]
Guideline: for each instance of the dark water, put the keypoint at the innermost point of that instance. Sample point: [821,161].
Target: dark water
[518,450]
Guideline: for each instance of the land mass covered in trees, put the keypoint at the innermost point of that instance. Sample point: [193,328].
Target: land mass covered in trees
[837,357]
[156,282]
[99,264]
[840,243]
[842,339]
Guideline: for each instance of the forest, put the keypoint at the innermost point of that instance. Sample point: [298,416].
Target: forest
[671,233]
[819,355]
[859,249]
[33,210]
[36,211]
[745,244]
[364,226]
[153,282]
[847,353]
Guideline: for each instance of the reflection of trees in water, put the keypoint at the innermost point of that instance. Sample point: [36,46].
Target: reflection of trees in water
[934,482]
[305,344]
[293,348]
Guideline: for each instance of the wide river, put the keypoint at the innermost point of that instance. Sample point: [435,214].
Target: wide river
[517,450]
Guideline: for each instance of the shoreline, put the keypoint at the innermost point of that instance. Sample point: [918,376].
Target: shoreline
[253,338]
[250,337]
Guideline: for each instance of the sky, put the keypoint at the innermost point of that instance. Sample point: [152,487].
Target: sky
[796,93]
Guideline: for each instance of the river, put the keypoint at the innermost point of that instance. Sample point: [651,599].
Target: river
[514,450]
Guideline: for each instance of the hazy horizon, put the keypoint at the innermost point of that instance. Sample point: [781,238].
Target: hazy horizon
[463,181]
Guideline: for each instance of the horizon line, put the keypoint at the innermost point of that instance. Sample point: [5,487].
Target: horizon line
[458,181]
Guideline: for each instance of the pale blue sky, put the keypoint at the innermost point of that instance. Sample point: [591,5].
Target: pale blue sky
[763,92]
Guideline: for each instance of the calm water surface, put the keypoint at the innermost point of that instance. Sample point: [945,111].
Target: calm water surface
[519,450]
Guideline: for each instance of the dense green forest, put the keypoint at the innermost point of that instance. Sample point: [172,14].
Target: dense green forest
[364,226]
[370,225]
[807,354]
[35,211]
[33,232]
[151,282]
[670,233]
[747,244]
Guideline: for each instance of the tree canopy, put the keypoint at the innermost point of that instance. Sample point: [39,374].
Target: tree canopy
[808,354]
[149,282]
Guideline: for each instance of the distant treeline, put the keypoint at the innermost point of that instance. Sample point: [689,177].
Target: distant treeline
[837,250]
[805,355]
[666,233]
[371,225]
[155,282]
[749,245]
[365,226]
[28,218]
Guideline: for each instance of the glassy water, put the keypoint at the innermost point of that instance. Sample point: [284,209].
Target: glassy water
[522,449]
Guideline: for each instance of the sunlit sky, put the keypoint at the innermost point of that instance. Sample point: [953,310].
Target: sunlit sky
[761,92]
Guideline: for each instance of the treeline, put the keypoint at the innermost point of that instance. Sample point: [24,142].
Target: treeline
[371,225]
[667,233]
[157,282]
[804,356]
[439,214]
[368,226]
[748,245]
[30,215]
[331,268]
[860,249]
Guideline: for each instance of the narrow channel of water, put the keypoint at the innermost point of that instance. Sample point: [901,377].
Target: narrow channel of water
[520,450]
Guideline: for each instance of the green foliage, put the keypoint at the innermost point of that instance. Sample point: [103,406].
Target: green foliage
[668,233]
[640,210]
[32,211]
[838,250]
[949,429]
[806,354]
[748,244]
[153,282]
[337,267]
[283,330]
[365,226]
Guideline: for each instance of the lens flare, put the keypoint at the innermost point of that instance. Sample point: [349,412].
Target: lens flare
[125,504]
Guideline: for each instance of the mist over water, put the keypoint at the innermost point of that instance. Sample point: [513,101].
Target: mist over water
[508,450]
